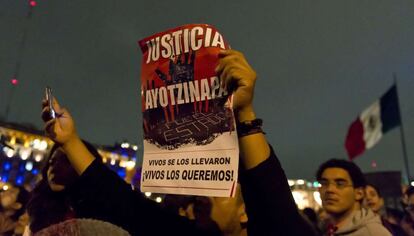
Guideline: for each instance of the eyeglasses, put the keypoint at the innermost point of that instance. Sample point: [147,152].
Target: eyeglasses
[339,184]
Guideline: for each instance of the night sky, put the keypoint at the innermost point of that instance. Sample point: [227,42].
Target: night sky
[319,63]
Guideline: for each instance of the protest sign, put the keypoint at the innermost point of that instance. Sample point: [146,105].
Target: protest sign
[190,143]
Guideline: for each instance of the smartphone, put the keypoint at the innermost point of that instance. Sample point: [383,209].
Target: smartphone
[49,98]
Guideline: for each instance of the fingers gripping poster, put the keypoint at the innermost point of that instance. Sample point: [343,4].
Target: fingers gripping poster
[190,143]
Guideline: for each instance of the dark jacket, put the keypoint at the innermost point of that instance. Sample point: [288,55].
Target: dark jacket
[270,206]
[101,194]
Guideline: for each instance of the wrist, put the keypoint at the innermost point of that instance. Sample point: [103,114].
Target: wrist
[245,114]
[249,127]
[72,140]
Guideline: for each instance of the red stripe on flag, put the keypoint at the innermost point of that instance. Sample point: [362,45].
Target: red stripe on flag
[354,143]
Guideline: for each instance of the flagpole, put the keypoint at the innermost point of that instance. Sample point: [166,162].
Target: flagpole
[404,148]
[18,63]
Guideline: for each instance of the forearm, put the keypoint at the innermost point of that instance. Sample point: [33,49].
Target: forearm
[98,188]
[254,148]
[78,155]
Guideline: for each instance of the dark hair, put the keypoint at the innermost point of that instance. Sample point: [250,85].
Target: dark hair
[358,179]
[88,145]
[47,207]
[202,207]
[374,187]
[311,214]
[172,203]
[409,191]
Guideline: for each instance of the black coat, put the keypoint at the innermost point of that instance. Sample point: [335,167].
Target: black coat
[101,194]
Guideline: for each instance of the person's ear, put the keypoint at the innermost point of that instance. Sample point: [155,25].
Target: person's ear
[242,213]
[181,212]
[381,201]
[359,194]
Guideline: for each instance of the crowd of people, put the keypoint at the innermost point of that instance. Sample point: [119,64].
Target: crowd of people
[79,195]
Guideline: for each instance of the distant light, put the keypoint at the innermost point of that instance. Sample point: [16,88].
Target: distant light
[121,173]
[300,182]
[113,161]
[317,197]
[29,166]
[8,151]
[316,184]
[374,164]
[158,199]
[412,183]
[7,166]
[32,3]
[5,187]
[291,182]
[35,171]
[36,143]
[38,157]
[42,145]
[122,163]
[14,81]
[130,165]
[125,145]
[135,147]
[5,178]
[13,141]
[300,199]
[24,153]
[148,194]
[26,144]
[19,180]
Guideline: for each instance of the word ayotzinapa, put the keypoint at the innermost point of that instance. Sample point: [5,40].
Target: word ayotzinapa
[180,93]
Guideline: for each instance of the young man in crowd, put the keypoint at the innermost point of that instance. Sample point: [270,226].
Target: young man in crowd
[407,223]
[342,191]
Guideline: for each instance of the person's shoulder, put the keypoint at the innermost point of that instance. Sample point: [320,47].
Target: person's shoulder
[377,229]
[370,223]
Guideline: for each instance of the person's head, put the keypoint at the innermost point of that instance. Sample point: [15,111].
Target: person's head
[229,213]
[407,223]
[373,198]
[410,202]
[49,203]
[410,195]
[58,171]
[342,184]
[14,200]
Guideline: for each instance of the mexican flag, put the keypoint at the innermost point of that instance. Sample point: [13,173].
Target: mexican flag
[366,131]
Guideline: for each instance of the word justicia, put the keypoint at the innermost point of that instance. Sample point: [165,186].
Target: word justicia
[181,93]
[182,41]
